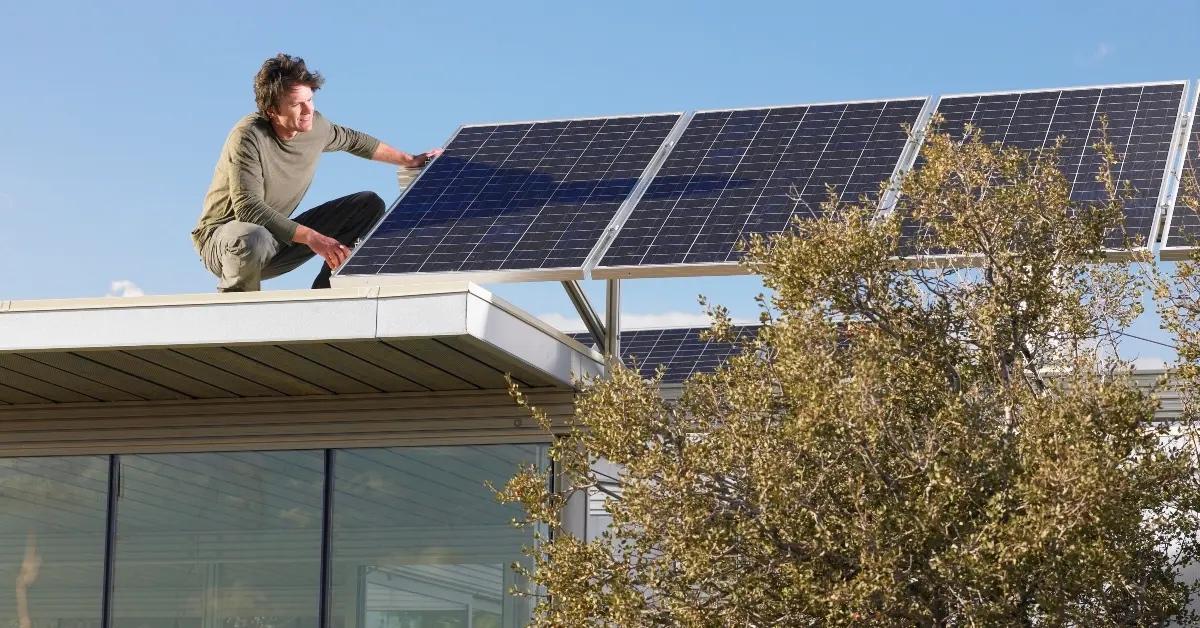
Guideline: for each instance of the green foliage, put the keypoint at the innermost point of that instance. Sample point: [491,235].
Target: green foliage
[1179,297]
[904,443]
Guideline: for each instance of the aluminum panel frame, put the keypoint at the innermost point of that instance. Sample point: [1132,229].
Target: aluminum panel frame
[908,156]
[635,196]
[1074,88]
[1178,253]
[862,101]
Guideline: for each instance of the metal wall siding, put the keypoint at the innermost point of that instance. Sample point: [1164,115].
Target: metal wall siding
[376,420]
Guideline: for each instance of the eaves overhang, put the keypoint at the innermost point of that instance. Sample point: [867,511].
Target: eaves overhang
[344,341]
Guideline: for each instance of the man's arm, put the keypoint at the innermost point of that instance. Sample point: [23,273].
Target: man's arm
[331,250]
[249,206]
[390,155]
[363,145]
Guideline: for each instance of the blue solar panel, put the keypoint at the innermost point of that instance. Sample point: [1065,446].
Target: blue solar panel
[1141,124]
[681,352]
[1184,230]
[734,173]
[514,197]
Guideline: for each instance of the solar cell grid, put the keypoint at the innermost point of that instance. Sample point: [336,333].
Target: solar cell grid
[680,351]
[733,173]
[522,196]
[1141,124]
[1183,232]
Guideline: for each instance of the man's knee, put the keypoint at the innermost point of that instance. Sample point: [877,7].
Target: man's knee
[237,252]
[251,244]
[371,204]
[368,209]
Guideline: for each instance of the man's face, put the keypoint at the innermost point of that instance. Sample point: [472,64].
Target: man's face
[294,111]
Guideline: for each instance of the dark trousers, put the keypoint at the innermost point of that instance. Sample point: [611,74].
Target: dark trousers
[243,254]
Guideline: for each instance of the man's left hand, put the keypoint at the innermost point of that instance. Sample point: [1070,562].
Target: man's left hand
[419,161]
[390,155]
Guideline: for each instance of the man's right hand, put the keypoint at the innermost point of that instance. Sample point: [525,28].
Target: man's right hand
[333,251]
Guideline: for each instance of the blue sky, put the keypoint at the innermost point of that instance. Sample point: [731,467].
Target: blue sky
[113,116]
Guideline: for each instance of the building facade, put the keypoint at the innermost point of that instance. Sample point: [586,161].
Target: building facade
[274,460]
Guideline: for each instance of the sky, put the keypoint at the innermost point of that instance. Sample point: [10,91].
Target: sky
[112,114]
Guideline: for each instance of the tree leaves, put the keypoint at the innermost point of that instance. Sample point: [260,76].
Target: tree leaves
[928,430]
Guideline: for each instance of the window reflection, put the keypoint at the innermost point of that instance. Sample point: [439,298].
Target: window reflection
[233,540]
[219,539]
[419,540]
[52,531]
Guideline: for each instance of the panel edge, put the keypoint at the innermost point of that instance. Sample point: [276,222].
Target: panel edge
[396,203]
[1169,192]
[609,235]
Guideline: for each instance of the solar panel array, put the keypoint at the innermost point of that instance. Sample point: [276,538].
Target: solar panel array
[514,197]
[734,173]
[1184,229]
[681,352]
[553,199]
[1141,125]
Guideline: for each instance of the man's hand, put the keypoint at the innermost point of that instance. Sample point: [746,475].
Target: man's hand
[334,252]
[400,158]
[419,161]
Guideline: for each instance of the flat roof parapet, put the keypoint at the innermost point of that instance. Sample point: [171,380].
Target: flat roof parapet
[284,343]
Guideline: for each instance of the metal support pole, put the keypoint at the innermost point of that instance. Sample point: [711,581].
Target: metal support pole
[586,311]
[612,306]
[324,602]
[110,539]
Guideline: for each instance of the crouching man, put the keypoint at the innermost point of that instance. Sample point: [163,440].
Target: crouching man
[246,233]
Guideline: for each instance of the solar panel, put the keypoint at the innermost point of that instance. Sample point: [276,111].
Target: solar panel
[1141,125]
[680,351]
[514,197]
[1183,219]
[734,173]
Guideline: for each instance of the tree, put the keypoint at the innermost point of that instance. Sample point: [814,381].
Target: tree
[1179,298]
[903,443]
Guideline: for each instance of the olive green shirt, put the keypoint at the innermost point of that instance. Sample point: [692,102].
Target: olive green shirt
[260,178]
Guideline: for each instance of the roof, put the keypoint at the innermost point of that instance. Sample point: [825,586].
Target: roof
[314,344]
[679,351]
[283,343]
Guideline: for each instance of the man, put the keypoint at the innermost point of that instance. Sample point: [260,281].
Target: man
[245,233]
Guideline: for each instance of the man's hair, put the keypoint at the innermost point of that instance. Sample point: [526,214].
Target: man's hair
[277,76]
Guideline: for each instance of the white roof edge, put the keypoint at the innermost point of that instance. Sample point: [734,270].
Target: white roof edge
[292,316]
[506,329]
[274,296]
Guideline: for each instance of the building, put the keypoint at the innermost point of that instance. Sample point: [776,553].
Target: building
[219,460]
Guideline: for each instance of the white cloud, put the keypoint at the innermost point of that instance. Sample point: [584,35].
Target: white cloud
[124,288]
[572,323]
[665,319]
[1094,56]
[563,322]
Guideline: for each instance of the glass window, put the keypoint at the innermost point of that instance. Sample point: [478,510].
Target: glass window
[53,515]
[419,540]
[230,540]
